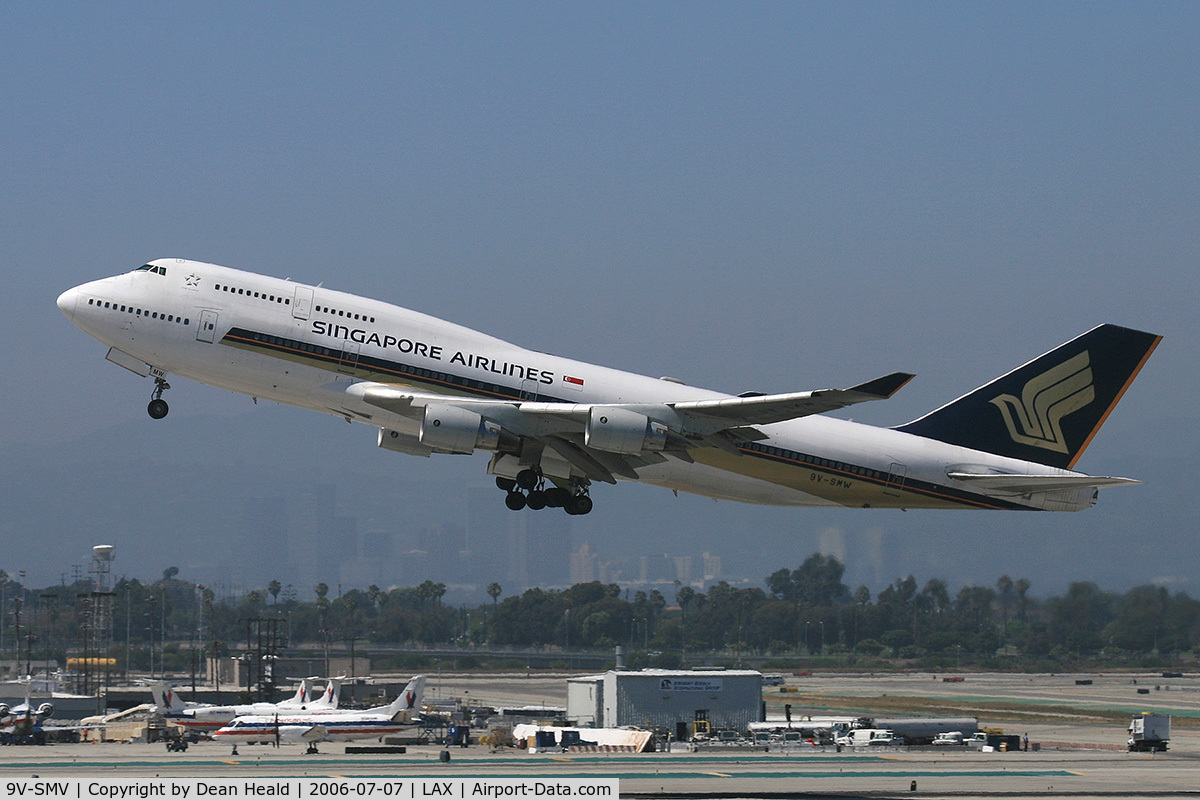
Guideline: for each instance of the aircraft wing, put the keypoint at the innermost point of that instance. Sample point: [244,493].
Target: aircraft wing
[768,408]
[1028,484]
[315,733]
[722,423]
[708,415]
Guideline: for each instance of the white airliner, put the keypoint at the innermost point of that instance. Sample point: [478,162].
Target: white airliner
[205,717]
[554,426]
[328,726]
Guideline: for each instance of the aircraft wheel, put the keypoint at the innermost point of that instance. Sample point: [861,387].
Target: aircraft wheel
[157,408]
[515,501]
[506,484]
[528,478]
[579,505]
[557,497]
[537,500]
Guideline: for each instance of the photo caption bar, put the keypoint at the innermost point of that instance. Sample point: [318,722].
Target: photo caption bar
[306,788]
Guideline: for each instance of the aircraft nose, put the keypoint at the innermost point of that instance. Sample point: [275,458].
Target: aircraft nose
[66,302]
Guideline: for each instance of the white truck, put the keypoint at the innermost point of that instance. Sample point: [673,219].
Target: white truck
[864,737]
[949,739]
[1149,732]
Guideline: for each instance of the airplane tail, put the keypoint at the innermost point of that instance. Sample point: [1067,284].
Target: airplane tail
[1048,410]
[407,706]
[303,695]
[329,697]
[166,698]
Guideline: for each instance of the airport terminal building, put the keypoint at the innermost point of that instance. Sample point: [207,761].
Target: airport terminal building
[674,699]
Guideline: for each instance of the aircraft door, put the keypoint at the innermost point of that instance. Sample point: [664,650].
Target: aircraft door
[348,361]
[302,303]
[207,331]
[895,479]
[529,389]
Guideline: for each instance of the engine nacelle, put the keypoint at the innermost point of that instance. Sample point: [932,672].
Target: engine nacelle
[45,710]
[4,710]
[453,429]
[619,430]
[402,442]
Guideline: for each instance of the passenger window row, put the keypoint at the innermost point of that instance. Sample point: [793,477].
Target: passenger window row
[350,315]
[270,298]
[400,369]
[292,344]
[137,312]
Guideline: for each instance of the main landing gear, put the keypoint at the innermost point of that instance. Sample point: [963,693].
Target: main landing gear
[528,490]
[158,408]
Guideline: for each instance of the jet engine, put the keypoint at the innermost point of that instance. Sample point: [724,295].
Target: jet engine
[4,710]
[453,429]
[619,430]
[45,710]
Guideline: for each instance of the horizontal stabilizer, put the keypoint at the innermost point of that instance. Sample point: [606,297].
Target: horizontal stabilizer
[1028,484]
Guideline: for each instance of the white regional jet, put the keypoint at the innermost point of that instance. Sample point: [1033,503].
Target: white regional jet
[554,426]
[328,726]
[206,718]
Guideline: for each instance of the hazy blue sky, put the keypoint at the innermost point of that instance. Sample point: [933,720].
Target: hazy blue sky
[746,196]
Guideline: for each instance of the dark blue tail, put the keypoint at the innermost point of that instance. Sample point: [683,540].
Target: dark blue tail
[1048,410]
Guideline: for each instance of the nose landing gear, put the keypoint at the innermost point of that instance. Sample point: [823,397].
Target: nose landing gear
[158,408]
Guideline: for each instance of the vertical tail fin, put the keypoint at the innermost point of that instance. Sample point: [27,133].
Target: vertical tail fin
[303,695]
[1048,410]
[166,698]
[329,697]
[407,705]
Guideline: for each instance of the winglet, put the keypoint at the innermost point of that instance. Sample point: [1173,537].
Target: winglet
[884,387]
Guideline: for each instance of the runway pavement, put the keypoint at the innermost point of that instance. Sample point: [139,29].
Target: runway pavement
[742,774]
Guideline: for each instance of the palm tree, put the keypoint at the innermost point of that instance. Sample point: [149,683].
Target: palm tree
[1005,586]
[494,591]
[1023,586]
[275,587]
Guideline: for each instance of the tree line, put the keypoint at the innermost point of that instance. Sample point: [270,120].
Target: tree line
[805,613]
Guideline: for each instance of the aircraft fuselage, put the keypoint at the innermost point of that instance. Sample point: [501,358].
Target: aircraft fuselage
[309,346]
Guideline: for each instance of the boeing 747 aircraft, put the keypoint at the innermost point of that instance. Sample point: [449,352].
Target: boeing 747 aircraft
[554,427]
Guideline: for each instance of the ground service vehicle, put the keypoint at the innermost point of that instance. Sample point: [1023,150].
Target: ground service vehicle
[864,737]
[1149,732]
[949,739]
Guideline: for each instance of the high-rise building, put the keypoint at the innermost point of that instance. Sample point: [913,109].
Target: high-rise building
[585,565]
[262,542]
[712,567]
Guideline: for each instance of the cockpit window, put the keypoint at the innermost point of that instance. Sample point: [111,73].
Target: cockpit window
[152,268]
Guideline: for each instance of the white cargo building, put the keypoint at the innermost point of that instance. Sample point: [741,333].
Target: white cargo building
[674,699]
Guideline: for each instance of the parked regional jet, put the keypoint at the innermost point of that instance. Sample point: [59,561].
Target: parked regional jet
[25,724]
[205,717]
[554,426]
[329,726]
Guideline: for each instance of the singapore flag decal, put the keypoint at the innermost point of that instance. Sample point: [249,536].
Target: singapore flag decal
[573,383]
